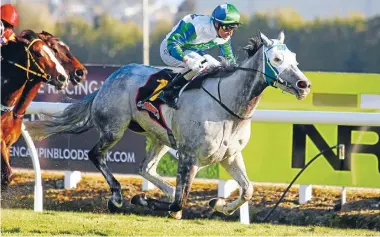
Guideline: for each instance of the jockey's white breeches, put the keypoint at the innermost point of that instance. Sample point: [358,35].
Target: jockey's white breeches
[173,62]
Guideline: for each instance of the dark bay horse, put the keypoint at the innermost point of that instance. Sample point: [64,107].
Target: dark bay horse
[212,124]
[72,65]
[25,65]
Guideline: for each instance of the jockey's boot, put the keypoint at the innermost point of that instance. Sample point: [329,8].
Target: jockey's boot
[170,95]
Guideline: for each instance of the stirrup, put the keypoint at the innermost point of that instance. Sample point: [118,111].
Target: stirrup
[169,100]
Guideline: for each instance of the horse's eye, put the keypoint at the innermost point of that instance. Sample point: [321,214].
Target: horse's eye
[277,60]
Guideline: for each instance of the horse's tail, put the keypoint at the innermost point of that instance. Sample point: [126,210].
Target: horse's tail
[75,119]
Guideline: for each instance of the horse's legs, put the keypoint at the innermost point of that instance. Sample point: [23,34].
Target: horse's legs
[185,176]
[6,170]
[236,168]
[148,167]
[97,156]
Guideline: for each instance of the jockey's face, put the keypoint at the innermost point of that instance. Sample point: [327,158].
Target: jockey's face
[225,31]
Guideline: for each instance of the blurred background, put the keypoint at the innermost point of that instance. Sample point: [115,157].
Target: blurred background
[340,36]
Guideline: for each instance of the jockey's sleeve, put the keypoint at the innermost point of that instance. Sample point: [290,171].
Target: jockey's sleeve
[7,36]
[183,34]
[12,37]
[3,41]
[226,51]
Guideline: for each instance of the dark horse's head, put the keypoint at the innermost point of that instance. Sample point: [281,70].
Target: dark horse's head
[30,58]
[77,71]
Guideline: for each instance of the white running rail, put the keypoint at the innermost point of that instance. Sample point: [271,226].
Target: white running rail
[282,116]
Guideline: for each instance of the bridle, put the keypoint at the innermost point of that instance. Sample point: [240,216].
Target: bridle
[46,77]
[273,82]
[41,74]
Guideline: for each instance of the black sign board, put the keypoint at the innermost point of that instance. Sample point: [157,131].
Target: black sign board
[70,152]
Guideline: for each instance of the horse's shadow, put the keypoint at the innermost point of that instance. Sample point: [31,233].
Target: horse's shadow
[355,214]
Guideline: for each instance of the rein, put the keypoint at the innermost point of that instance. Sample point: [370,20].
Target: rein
[219,100]
[42,73]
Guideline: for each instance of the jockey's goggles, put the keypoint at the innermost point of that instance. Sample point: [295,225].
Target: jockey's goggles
[229,28]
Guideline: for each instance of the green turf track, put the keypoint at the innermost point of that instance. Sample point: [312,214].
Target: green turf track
[26,222]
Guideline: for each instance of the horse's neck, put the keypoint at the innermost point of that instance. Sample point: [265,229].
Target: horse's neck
[15,84]
[30,91]
[10,93]
[242,91]
[13,81]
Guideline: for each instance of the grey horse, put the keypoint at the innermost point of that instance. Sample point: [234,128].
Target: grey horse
[212,124]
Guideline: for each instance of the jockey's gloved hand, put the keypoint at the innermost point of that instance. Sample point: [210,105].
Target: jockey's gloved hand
[195,64]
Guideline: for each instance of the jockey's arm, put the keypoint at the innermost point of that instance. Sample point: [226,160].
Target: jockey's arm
[6,36]
[226,51]
[184,33]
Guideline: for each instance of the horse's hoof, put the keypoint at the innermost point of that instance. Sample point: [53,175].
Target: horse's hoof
[139,199]
[212,203]
[176,215]
[112,207]
[4,186]
[175,207]
[6,179]
[217,203]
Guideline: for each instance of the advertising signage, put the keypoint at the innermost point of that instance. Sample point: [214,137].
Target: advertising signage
[70,152]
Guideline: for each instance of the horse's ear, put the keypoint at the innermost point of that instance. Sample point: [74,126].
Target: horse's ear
[23,40]
[281,37]
[46,33]
[22,37]
[265,40]
[42,35]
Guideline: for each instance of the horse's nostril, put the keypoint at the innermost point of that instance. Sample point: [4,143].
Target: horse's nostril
[61,78]
[302,84]
[79,73]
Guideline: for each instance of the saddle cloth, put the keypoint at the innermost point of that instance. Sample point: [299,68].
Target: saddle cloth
[155,82]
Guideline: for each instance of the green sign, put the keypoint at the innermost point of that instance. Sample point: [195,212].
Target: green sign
[329,92]
[276,152]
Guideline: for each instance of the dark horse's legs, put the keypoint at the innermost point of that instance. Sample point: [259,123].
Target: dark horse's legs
[185,177]
[97,156]
[6,170]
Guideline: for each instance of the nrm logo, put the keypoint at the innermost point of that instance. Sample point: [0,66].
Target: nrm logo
[344,136]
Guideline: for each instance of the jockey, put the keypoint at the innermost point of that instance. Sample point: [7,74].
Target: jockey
[184,46]
[9,20]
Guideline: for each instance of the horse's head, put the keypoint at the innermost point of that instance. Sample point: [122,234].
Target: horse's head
[42,57]
[280,67]
[77,71]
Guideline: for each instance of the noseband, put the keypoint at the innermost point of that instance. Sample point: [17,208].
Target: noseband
[42,74]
